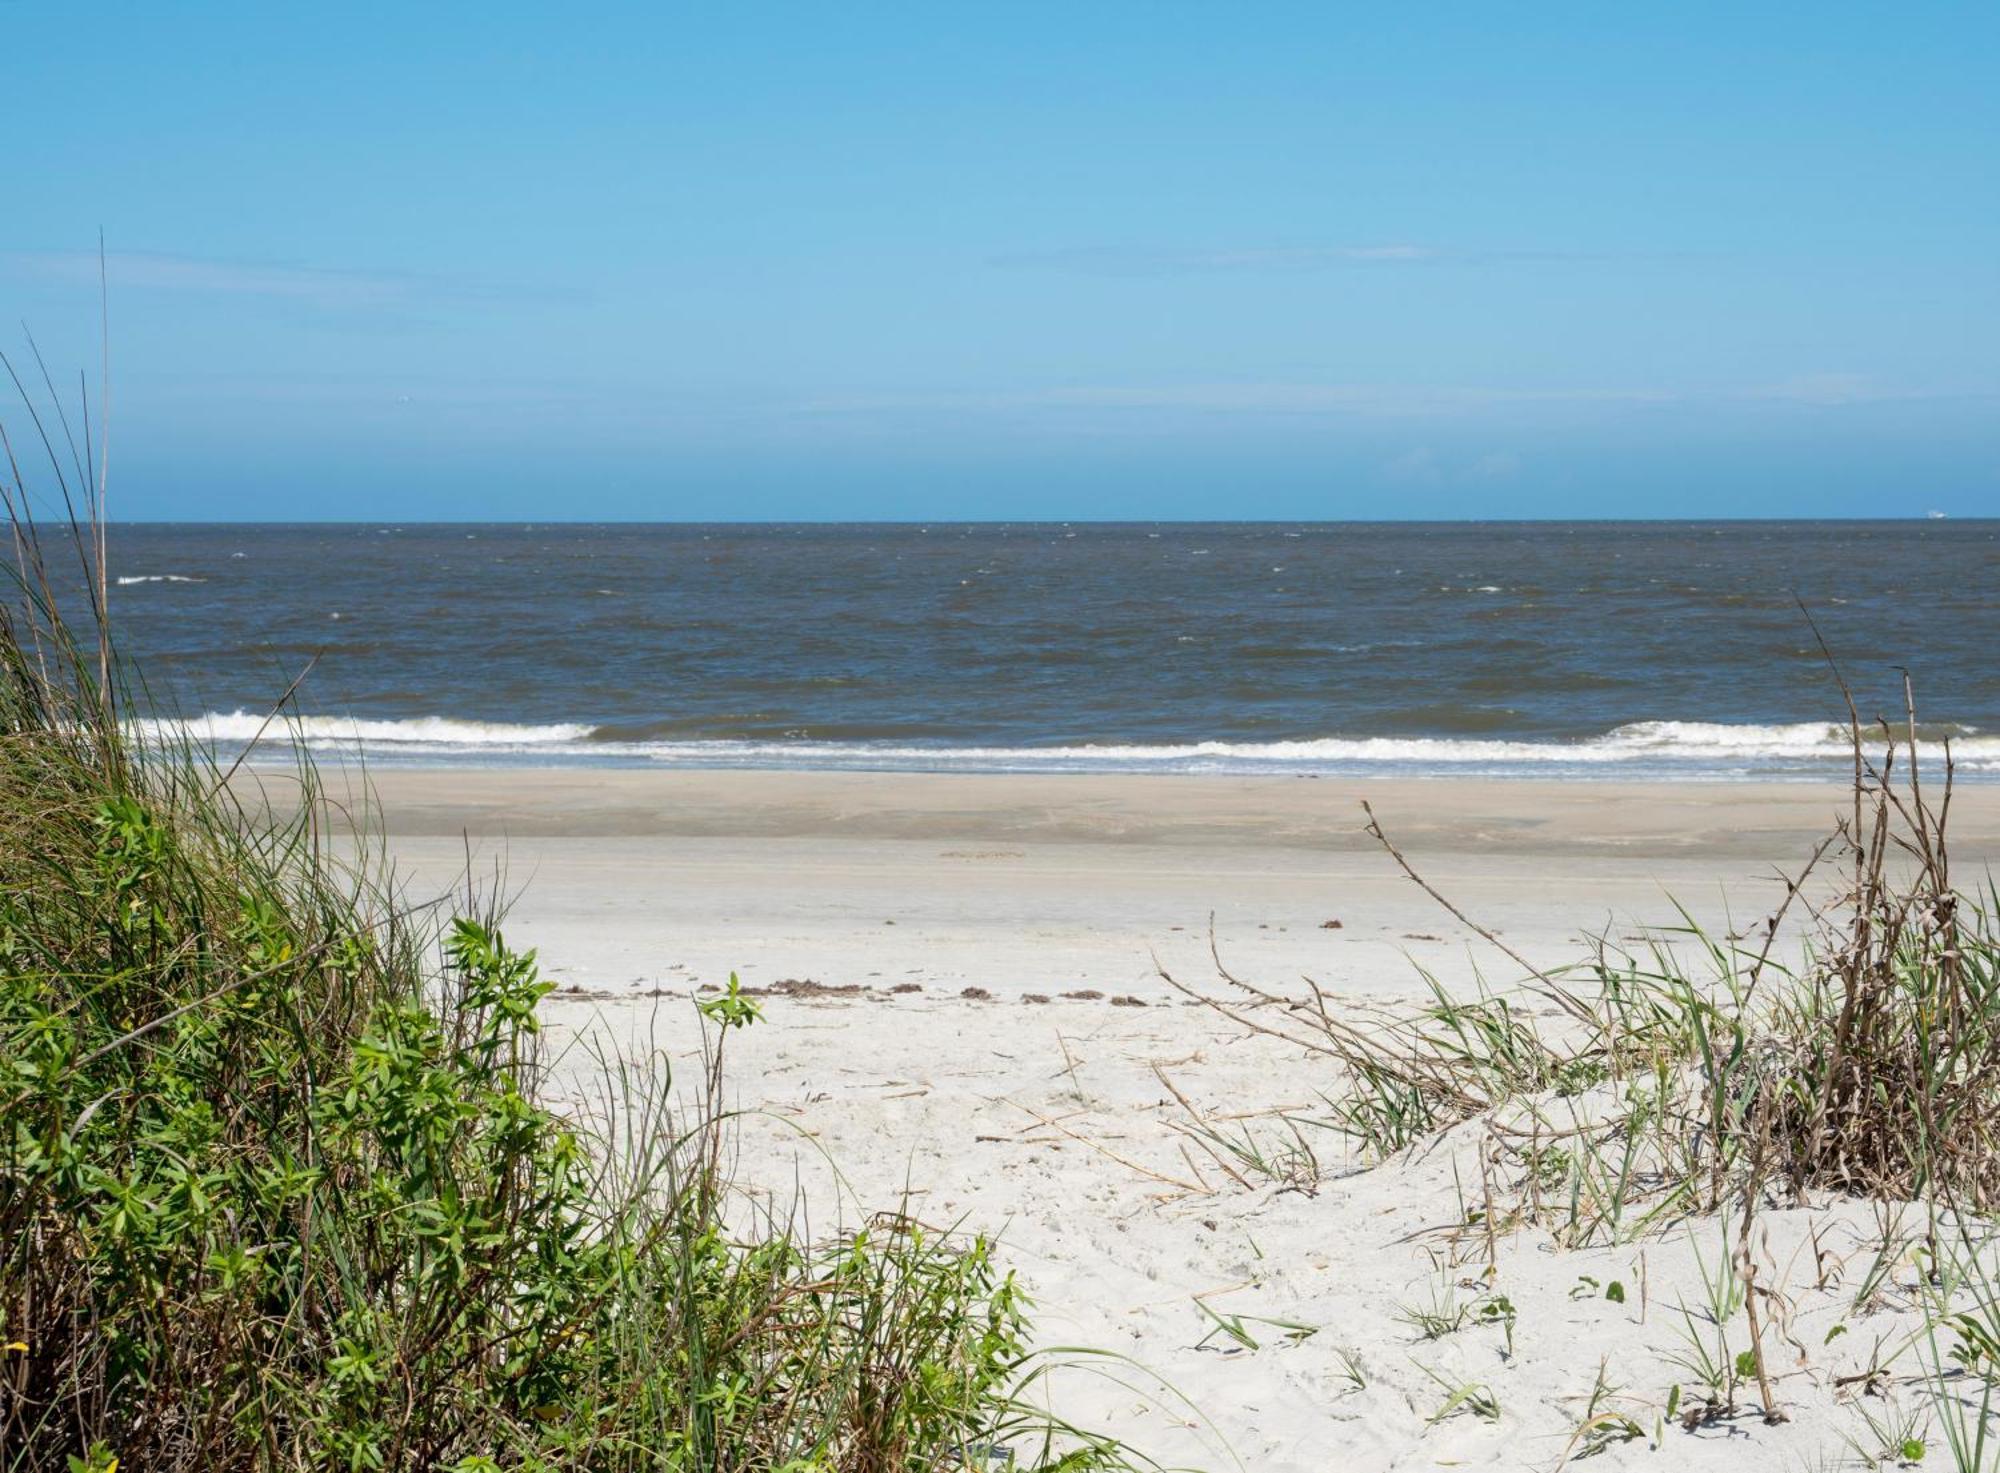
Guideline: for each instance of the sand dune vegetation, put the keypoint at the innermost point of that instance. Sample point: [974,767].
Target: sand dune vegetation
[1820,1084]
[290,1177]
[278,1188]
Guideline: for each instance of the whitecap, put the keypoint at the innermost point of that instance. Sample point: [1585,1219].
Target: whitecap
[349,731]
[1684,749]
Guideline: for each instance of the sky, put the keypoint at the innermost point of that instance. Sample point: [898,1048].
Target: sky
[1008,261]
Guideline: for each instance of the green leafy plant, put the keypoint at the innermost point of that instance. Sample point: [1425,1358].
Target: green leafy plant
[1498,1309]
[279,1187]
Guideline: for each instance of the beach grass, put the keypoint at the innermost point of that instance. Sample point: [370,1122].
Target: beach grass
[281,1187]
[1844,1046]
[1691,1068]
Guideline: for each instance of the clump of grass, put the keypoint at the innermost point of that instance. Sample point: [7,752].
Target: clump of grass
[278,1188]
[1461,1396]
[1696,1075]
[1677,1075]
[1603,1426]
[1444,1314]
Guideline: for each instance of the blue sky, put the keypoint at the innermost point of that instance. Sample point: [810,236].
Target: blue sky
[513,261]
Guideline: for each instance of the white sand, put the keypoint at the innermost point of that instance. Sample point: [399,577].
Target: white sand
[1050,1122]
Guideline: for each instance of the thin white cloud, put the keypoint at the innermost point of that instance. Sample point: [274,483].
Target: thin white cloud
[1423,466]
[1415,467]
[152,271]
[1245,398]
[315,285]
[1171,261]
[1128,261]
[1496,465]
[1833,389]
[1383,401]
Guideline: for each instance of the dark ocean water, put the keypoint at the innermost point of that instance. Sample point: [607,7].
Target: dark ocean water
[1608,648]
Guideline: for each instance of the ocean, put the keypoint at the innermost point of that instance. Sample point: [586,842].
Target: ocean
[1504,649]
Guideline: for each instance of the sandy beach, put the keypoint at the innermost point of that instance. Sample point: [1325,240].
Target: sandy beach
[963,1009]
[989,739]
[636,880]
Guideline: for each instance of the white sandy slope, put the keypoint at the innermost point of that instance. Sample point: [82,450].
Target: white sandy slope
[1055,1124]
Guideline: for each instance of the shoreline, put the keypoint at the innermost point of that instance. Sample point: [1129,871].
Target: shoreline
[1541,813]
[644,879]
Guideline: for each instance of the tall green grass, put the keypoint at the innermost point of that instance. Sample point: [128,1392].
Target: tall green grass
[279,1188]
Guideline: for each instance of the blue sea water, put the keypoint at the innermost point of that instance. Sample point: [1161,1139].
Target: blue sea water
[1610,649]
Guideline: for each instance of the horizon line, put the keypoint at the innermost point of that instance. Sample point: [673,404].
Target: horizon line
[531,522]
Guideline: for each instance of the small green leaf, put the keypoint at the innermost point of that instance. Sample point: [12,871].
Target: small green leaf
[732,1009]
[1615,1292]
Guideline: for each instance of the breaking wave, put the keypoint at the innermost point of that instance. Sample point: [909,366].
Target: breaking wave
[424,733]
[1643,748]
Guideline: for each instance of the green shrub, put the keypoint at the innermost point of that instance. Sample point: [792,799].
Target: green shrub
[278,1190]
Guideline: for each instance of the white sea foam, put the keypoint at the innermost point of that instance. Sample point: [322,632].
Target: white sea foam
[1690,747]
[424,732]
[1683,748]
[131,578]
